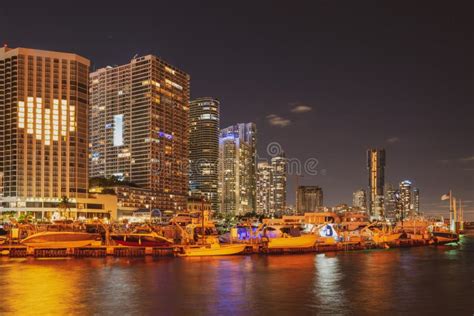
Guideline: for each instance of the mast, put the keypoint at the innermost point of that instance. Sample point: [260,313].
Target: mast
[451,214]
[455,214]
[202,220]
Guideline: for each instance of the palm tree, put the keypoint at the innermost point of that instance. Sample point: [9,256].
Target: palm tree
[64,205]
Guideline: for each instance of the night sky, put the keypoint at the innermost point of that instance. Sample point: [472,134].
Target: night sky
[325,79]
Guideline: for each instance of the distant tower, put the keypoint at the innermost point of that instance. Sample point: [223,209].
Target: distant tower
[237,168]
[309,199]
[405,197]
[391,202]
[204,148]
[359,199]
[376,167]
[416,201]
[279,177]
[264,188]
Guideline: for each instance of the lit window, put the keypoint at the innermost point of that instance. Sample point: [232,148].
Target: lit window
[171,71]
[174,84]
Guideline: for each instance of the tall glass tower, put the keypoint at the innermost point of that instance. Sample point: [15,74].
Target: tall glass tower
[237,168]
[204,148]
[376,168]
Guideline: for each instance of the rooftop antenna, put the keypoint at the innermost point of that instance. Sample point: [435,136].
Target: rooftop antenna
[135,56]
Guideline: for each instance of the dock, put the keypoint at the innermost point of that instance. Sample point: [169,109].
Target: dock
[21,251]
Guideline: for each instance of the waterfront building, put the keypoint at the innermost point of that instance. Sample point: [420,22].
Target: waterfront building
[43,129]
[359,199]
[130,199]
[405,198]
[237,168]
[391,202]
[204,148]
[309,199]
[416,201]
[279,180]
[139,128]
[271,186]
[376,168]
[264,188]
[198,204]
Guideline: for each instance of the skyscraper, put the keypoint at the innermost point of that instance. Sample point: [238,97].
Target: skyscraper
[139,128]
[264,188]
[359,199]
[279,178]
[43,128]
[204,148]
[416,201]
[309,199]
[391,202]
[237,168]
[376,167]
[271,186]
[405,197]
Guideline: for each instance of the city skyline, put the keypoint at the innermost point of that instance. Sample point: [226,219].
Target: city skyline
[413,85]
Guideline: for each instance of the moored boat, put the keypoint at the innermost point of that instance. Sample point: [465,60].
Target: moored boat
[445,237]
[141,239]
[60,239]
[214,249]
[289,242]
[383,237]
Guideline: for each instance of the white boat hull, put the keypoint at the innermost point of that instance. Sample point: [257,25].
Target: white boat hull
[60,240]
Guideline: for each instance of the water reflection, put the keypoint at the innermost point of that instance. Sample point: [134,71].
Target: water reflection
[39,286]
[413,281]
[328,287]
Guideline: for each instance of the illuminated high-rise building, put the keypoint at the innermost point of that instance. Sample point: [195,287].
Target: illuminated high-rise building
[271,186]
[359,199]
[237,168]
[139,128]
[405,198]
[43,128]
[279,177]
[204,149]
[264,188]
[376,167]
[309,199]
[391,202]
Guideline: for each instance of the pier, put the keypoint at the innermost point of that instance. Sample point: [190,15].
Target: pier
[21,251]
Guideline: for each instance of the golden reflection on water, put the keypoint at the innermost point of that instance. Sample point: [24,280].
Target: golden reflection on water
[367,282]
[37,288]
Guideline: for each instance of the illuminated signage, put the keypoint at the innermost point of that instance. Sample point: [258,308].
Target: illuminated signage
[118,130]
